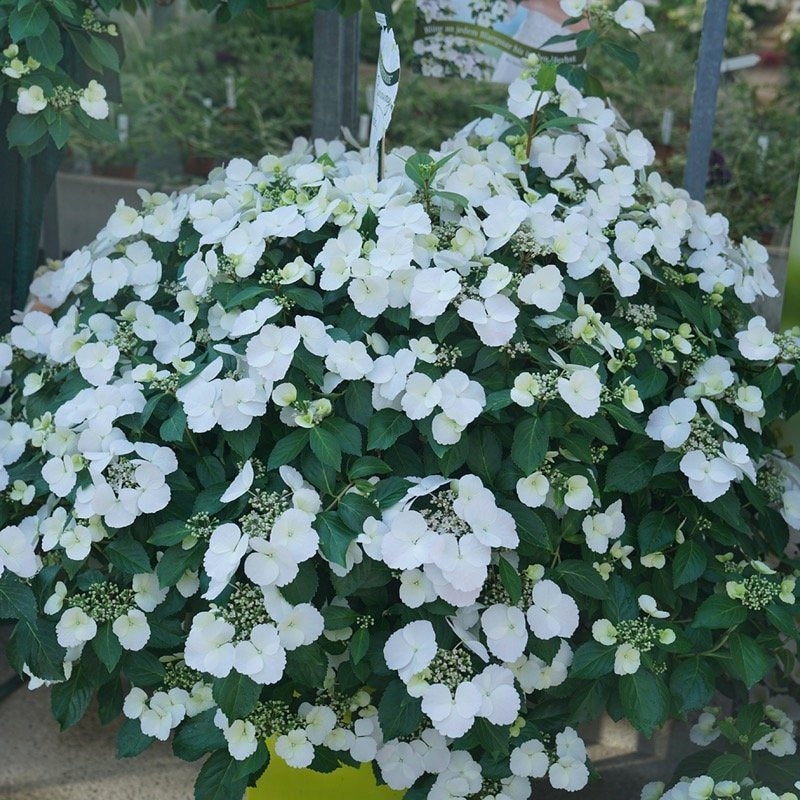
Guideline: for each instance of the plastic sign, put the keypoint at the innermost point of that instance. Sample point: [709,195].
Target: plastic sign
[488,39]
[387,80]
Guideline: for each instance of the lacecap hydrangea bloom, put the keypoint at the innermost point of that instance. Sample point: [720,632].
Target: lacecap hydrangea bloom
[422,472]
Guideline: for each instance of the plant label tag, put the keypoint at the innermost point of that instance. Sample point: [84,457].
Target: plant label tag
[387,79]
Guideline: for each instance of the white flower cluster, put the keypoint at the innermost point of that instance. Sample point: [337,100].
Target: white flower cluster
[302,420]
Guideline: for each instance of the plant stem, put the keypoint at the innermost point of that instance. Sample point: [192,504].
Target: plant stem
[532,128]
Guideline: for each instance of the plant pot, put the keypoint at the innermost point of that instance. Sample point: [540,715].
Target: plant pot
[125,171]
[199,166]
[282,782]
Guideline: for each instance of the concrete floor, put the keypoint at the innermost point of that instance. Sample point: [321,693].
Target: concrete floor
[37,762]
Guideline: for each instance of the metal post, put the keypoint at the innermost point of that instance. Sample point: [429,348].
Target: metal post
[335,91]
[704,106]
[51,242]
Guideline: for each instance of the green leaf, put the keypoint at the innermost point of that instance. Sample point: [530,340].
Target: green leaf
[219,778]
[168,533]
[110,699]
[692,684]
[347,435]
[105,53]
[35,644]
[326,447]
[353,509]
[582,578]
[385,428]
[359,645]
[531,437]
[719,611]
[485,454]
[338,617]
[174,563]
[243,443]
[729,767]
[592,660]
[307,665]
[59,131]
[130,739]
[334,536]
[236,695]
[25,21]
[173,427]
[689,563]
[445,324]
[398,712]
[621,602]
[107,646]
[17,600]
[126,554]
[778,772]
[626,57]
[729,509]
[749,662]
[25,129]
[645,700]
[70,699]
[367,467]
[143,668]
[628,472]
[46,47]
[358,402]
[561,122]
[493,738]
[288,448]
[656,532]
[512,582]
[589,700]
[197,736]
[782,618]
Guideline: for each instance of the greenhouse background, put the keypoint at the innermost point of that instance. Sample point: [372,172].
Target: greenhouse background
[195,91]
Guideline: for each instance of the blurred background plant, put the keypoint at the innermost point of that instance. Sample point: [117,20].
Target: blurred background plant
[196,93]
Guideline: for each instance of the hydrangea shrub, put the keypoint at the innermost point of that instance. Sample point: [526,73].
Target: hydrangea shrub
[422,472]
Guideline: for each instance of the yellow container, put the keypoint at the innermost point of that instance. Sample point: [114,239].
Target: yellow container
[282,782]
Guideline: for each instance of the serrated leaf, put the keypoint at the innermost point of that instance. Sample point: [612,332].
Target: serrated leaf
[398,712]
[512,582]
[359,645]
[288,448]
[592,660]
[236,695]
[749,662]
[692,684]
[531,437]
[107,646]
[197,736]
[70,699]
[326,447]
[656,532]
[130,739]
[126,554]
[219,778]
[689,563]
[628,472]
[719,611]
[308,665]
[645,700]
[174,426]
[17,600]
[385,428]
[582,578]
